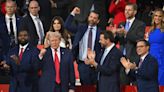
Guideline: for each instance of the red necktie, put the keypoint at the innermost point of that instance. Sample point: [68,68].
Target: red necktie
[57,68]
[21,54]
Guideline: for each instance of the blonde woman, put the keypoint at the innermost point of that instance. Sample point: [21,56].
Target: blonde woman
[156,39]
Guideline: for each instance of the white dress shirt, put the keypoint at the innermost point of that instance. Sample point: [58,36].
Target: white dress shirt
[7,18]
[34,18]
[83,44]
[24,47]
[58,53]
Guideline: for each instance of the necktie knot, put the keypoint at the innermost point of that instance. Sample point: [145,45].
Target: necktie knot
[10,19]
[140,63]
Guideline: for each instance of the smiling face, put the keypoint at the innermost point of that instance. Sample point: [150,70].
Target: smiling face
[130,12]
[93,19]
[103,41]
[23,37]
[57,25]
[142,49]
[158,17]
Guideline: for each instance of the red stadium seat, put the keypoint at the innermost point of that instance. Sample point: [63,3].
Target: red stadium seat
[161,88]
[4,87]
[128,88]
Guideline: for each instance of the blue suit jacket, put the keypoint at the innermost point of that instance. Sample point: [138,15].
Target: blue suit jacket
[24,77]
[79,31]
[4,35]
[147,75]
[109,78]
[67,75]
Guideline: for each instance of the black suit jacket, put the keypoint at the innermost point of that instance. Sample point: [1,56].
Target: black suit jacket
[28,23]
[136,32]
[109,79]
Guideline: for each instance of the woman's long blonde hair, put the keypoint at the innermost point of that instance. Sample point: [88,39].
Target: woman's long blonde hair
[162,22]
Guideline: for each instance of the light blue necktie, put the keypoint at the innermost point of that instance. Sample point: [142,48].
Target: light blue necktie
[102,61]
[40,30]
[127,26]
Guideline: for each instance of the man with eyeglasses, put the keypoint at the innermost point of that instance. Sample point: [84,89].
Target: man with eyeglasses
[145,71]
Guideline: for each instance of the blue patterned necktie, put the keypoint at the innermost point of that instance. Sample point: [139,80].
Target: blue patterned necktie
[127,26]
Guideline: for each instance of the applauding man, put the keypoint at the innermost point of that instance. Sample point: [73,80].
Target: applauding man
[144,71]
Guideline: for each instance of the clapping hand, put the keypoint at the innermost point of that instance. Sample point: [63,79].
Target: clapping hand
[15,59]
[90,57]
[127,64]
[4,65]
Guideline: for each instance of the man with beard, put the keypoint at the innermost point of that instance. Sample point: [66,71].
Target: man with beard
[107,64]
[86,36]
[22,61]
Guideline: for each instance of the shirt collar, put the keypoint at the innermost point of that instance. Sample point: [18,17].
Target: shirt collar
[131,20]
[143,57]
[93,27]
[58,49]
[24,47]
[110,47]
[7,16]
[33,17]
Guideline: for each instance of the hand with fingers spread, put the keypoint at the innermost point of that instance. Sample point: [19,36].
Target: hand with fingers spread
[4,65]
[91,58]
[127,64]
[15,58]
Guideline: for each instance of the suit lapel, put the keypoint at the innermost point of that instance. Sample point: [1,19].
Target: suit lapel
[145,61]
[62,53]
[50,56]
[132,26]
[25,54]
[32,25]
[17,23]
[5,25]
[108,56]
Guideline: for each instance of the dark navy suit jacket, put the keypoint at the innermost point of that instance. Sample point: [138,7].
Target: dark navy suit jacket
[79,31]
[67,75]
[4,35]
[24,77]
[147,75]
[109,78]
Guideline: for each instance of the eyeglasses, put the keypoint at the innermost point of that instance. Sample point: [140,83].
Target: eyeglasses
[141,46]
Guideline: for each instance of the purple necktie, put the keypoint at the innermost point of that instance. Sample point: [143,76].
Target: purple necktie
[90,38]
[140,63]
